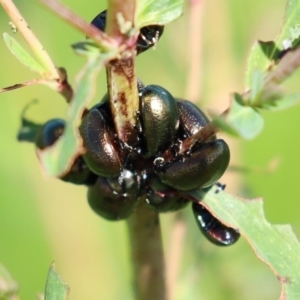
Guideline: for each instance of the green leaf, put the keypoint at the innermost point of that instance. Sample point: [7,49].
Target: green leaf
[275,245]
[159,12]
[290,31]
[263,53]
[257,85]
[8,287]
[58,159]
[21,54]
[55,289]
[260,58]
[243,121]
[222,123]
[282,103]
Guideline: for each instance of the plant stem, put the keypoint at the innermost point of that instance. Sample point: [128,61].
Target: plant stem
[51,72]
[121,74]
[147,254]
[143,226]
[174,259]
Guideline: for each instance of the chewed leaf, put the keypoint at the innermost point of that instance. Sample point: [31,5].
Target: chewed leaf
[242,121]
[56,289]
[159,12]
[275,245]
[22,55]
[58,159]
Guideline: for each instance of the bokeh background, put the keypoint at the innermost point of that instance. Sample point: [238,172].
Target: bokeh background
[44,220]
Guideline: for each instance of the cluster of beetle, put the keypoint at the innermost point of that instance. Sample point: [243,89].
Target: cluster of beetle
[153,169]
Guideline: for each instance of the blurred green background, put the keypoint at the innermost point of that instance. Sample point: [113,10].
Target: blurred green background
[43,219]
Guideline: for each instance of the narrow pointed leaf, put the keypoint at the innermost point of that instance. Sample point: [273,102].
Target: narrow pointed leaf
[21,54]
[275,245]
[56,289]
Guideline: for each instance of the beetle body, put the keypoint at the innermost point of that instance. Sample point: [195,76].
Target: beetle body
[199,169]
[128,183]
[147,38]
[101,155]
[159,118]
[162,198]
[212,228]
[192,118]
[49,133]
[109,204]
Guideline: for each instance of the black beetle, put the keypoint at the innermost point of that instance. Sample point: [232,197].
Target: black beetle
[163,198]
[49,133]
[212,228]
[199,169]
[106,202]
[102,150]
[159,119]
[192,118]
[148,37]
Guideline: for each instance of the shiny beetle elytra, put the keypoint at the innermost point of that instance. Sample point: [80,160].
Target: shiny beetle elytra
[212,228]
[107,203]
[199,169]
[101,155]
[192,118]
[148,37]
[159,119]
[49,133]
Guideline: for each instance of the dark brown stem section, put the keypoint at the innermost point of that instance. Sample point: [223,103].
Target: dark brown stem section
[147,254]
[203,135]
